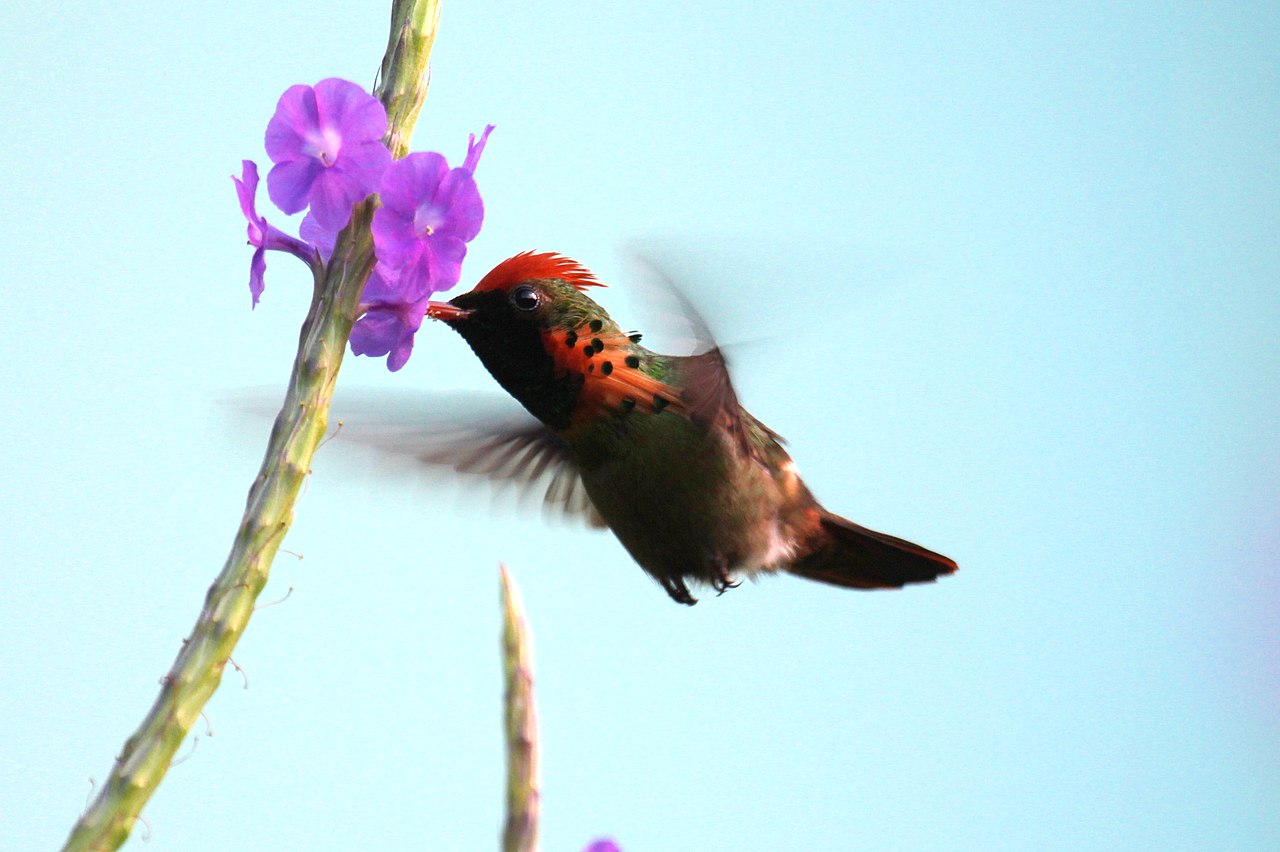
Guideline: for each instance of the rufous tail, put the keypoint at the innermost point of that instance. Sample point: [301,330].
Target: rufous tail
[853,556]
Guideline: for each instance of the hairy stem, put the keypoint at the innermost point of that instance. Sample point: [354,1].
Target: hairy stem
[520,833]
[298,430]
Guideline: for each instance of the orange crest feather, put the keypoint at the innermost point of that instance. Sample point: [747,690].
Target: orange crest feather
[531,266]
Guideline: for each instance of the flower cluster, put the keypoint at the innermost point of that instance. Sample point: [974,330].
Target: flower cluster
[326,144]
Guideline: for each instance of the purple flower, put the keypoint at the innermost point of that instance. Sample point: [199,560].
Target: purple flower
[604,844]
[429,213]
[389,322]
[263,236]
[326,143]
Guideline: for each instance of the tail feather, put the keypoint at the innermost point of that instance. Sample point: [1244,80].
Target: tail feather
[855,557]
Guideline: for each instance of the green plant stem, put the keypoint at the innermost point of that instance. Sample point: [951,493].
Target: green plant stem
[520,833]
[403,77]
[298,430]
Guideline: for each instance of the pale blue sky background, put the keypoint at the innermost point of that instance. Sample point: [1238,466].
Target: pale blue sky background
[1012,281]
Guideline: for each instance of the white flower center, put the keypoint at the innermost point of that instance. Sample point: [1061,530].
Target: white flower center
[324,144]
[428,218]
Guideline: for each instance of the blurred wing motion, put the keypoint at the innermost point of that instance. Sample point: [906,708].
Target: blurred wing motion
[843,553]
[707,389]
[479,434]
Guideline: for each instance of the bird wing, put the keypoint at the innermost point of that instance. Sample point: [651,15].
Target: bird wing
[468,433]
[531,458]
[708,392]
[709,396]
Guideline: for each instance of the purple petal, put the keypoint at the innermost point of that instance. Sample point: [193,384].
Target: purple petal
[400,353]
[412,273]
[447,256]
[349,109]
[410,179]
[393,239]
[366,162]
[332,194]
[436,266]
[274,239]
[314,233]
[247,191]
[460,200]
[383,286]
[257,269]
[475,149]
[296,116]
[604,844]
[387,330]
[289,183]
[375,333]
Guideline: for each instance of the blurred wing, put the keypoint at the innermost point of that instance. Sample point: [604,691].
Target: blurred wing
[468,433]
[707,389]
[528,456]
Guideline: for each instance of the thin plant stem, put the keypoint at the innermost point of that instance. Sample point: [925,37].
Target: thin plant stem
[298,430]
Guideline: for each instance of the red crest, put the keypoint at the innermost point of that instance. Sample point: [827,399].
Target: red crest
[531,266]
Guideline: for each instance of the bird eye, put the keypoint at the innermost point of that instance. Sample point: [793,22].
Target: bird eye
[525,298]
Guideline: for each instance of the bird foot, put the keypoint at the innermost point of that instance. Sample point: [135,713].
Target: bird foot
[722,582]
[678,591]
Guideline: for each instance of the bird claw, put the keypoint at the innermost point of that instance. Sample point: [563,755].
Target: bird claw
[679,592]
[722,582]
[722,585]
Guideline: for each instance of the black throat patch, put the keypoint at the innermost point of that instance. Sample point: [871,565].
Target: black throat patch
[512,350]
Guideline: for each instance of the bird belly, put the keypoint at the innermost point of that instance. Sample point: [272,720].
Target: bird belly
[686,507]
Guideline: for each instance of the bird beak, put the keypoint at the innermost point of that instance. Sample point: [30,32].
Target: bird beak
[446,312]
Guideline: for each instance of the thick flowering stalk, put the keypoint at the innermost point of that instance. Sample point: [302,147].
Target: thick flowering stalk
[520,722]
[298,430]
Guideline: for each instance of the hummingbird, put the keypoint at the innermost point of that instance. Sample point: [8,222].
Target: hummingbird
[654,447]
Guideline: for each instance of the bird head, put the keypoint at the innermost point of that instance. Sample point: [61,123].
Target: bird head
[523,321]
